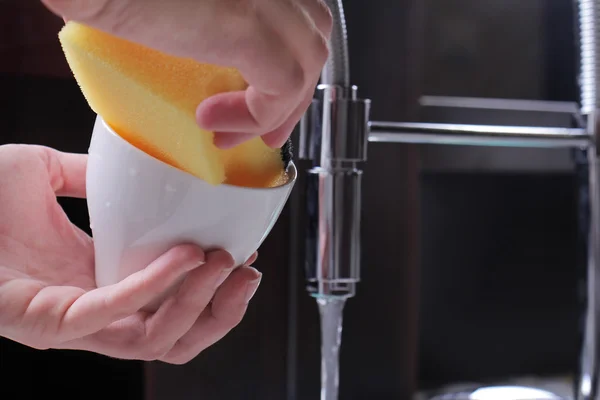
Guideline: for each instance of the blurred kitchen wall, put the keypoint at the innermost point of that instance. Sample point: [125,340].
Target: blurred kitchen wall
[500,264]
[485,48]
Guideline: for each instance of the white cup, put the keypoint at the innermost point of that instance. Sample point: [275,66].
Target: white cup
[140,207]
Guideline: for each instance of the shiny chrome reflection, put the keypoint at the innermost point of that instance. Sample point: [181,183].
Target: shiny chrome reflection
[501,393]
[333,136]
[477,135]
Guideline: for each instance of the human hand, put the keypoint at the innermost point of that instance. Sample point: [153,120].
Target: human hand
[48,294]
[279,46]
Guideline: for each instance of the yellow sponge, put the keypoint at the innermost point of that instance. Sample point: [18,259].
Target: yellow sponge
[150,98]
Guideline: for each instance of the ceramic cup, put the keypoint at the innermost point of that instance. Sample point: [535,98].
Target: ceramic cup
[140,207]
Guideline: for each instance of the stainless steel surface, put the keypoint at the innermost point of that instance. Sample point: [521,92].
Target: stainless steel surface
[472,103]
[589,80]
[333,256]
[333,136]
[587,388]
[503,112]
[344,124]
[477,135]
[500,392]
[309,141]
[593,126]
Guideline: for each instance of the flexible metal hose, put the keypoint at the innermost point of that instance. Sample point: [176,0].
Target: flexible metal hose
[589,37]
[337,68]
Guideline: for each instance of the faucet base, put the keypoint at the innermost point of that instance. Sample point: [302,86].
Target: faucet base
[331,289]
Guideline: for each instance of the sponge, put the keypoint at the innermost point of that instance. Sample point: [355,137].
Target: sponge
[149,98]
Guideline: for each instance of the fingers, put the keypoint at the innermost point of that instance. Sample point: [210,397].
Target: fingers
[228,308]
[218,32]
[250,113]
[279,136]
[304,28]
[146,337]
[66,171]
[179,312]
[252,259]
[234,132]
[279,46]
[100,307]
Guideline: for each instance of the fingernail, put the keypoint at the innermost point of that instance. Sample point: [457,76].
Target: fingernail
[275,141]
[223,276]
[252,287]
[195,265]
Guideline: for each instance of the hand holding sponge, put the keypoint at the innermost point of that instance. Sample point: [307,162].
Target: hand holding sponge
[149,98]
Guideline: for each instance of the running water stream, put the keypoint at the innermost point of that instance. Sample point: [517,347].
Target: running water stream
[331,311]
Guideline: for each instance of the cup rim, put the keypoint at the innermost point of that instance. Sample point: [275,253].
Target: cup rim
[291,169]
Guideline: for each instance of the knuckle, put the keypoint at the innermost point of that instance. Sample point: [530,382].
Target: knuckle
[152,347]
[290,82]
[143,343]
[321,49]
[236,321]
[185,302]
[187,252]
[233,319]
[181,359]
[297,76]
[327,18]
[243,30]
[244,48]
[271,122]
[153,351]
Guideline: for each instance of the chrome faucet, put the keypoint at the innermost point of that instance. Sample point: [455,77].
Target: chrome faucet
[589,81]
[334,137]
[334,134]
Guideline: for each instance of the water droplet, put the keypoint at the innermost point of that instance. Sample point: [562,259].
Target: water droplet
[107,204]
[170,188]
[133,172]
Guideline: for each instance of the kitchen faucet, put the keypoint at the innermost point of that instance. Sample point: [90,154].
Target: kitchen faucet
[334,135]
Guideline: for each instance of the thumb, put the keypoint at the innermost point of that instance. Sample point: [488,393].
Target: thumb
[66,171]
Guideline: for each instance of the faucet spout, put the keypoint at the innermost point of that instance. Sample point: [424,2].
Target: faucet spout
[334,137]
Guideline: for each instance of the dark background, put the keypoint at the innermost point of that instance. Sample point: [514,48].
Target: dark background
[468,275]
